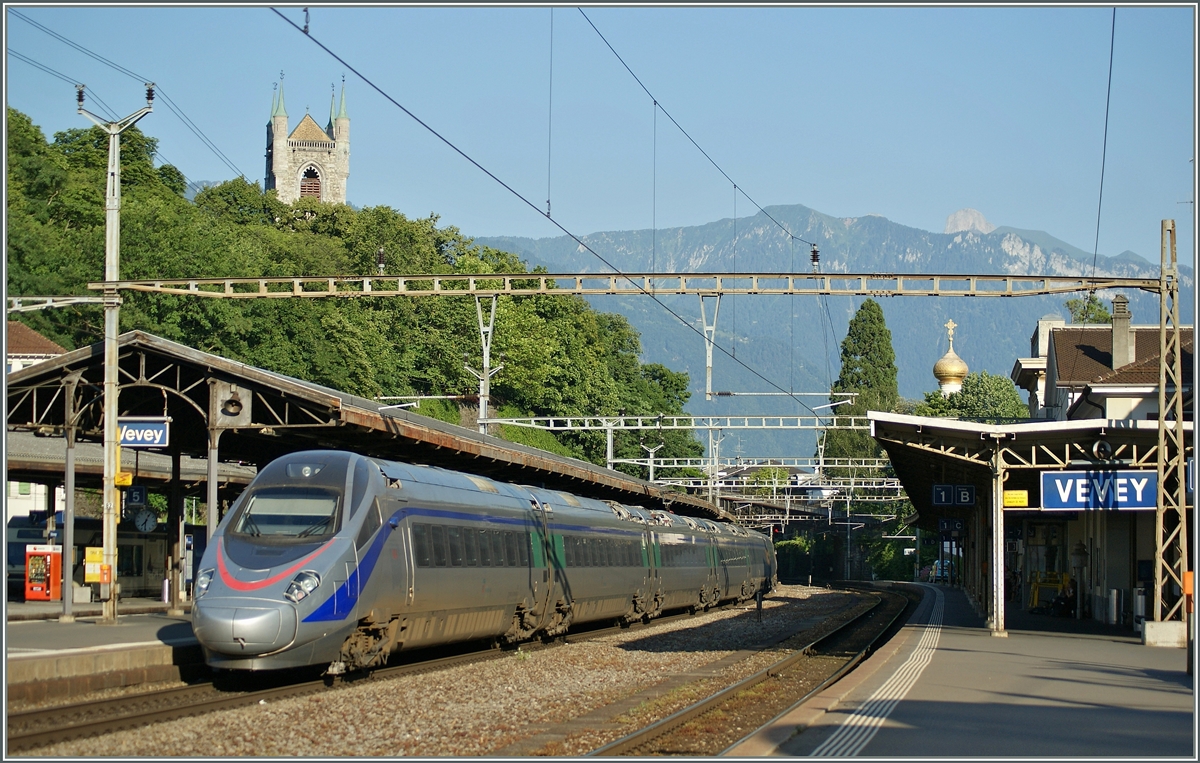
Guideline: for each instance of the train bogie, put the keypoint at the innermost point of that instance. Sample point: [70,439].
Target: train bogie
[334,558]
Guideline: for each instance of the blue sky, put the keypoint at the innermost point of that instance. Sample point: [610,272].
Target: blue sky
[910,113]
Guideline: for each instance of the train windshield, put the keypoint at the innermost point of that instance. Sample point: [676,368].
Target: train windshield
[289,512]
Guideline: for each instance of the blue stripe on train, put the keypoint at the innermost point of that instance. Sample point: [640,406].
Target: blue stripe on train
[340,605]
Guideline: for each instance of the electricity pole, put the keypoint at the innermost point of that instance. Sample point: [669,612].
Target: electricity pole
[485,377]
[112,308]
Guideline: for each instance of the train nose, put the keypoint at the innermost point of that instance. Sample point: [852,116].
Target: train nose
[237,627]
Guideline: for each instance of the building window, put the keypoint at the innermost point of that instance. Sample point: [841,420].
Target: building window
[24,488]
[310,183]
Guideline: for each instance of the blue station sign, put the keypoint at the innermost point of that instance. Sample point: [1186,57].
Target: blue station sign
[1115,489]
[144,432]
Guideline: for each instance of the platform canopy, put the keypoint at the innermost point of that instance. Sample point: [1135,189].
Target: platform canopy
[258,415]
[927,452]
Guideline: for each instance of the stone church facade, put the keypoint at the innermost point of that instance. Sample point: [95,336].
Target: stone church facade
[309,161]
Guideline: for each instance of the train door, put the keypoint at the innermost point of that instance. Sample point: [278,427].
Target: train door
[542,571]
[397,554]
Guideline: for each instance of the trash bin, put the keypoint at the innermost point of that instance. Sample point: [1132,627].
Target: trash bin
[1139,609]
[1114,606]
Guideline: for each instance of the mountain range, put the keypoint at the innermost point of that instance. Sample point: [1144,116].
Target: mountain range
[792,343]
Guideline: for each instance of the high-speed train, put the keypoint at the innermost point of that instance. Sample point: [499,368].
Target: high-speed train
[332,558]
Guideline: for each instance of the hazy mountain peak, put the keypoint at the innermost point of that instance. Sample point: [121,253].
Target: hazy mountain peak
[968,219]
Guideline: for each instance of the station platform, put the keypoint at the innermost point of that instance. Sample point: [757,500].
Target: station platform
[47,659]
[945,687]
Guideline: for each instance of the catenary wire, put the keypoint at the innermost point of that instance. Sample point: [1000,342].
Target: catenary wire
[686,135]
[370,83]
[1100,202]
[104,106]
[550,112]
[171,105]
[73,82]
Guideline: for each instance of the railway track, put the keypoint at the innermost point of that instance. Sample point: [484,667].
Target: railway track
[30,729]
[719,722]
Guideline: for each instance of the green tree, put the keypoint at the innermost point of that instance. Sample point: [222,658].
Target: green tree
[768,480]
[983,397]
[868,368]
[563,357]
[1090,310]
[868,360]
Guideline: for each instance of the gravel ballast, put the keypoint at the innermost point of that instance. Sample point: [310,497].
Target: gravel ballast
[562,701]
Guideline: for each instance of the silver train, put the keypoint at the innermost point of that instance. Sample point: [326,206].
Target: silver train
[333,558]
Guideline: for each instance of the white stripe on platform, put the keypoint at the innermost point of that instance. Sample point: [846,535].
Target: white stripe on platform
[861,726]
[27,652]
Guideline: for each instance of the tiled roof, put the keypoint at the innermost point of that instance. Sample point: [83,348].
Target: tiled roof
[23,340]
[308,129]
[1083,355]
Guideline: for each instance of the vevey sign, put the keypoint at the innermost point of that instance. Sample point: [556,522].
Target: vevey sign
[144,431]
[1116,489]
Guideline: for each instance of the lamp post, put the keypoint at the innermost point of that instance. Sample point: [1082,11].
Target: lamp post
[1079,560]
[112,306]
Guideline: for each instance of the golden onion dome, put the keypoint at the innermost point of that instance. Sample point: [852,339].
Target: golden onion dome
[950,368]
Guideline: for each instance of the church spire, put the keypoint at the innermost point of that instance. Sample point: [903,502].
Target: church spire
[277,109]
[342,109]
[332,103]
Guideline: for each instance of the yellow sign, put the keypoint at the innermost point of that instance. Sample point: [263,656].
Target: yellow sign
[93,557]
[123,479]
[1017,499]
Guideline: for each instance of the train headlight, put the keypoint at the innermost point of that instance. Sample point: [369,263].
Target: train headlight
[203,579]
[302,585]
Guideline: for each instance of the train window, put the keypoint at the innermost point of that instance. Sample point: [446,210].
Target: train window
[523,548]
[420,537]
[485,549]
[437,539]
[606,559]
[513,557]
[569,550]
[291,512]
[471,543]
[497,548]
[371,523]
[454,537]
[362,479]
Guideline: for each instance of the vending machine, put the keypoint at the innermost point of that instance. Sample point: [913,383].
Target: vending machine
[43,573]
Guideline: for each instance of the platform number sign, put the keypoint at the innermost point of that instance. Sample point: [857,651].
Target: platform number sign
[953,495]
[135,497]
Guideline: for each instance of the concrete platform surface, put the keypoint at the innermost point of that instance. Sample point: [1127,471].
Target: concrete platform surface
[46,658]
[945,687]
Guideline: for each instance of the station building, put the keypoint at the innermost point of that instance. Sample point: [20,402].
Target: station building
[1069,496]
[25,347]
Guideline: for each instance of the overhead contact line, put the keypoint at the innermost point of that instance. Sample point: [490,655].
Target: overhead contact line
[370,83]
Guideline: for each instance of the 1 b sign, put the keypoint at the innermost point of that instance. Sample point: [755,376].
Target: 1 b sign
[1072,491]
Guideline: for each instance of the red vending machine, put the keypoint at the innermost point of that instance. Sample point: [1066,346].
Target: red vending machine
[43,573]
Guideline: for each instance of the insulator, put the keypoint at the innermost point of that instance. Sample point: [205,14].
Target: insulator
[816,258]
[149,93]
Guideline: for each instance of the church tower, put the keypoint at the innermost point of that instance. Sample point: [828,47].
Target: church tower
[309,161]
